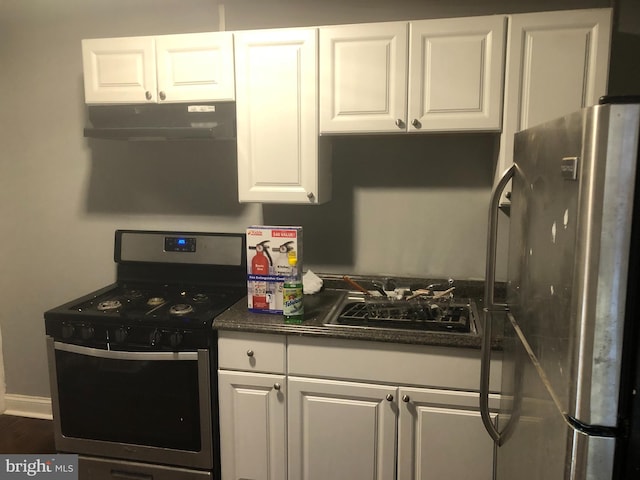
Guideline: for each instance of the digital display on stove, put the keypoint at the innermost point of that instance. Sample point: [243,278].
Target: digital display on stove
[180,244]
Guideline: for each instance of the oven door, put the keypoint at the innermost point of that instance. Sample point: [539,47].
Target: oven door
[146,406]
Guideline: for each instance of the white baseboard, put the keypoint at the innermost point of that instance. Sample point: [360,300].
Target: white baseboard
[28,406]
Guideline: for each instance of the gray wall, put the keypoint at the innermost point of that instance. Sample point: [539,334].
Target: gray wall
[402,206]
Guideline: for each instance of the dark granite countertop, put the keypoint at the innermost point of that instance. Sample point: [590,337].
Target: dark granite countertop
[318,307]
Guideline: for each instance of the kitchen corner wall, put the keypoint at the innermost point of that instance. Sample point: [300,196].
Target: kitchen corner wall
[402,205]
[3,386]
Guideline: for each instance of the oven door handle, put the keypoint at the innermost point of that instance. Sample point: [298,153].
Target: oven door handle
[120,355]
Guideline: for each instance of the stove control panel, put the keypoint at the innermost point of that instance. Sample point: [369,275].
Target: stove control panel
[179,244]
[79,332]
[207,249]
[127,337]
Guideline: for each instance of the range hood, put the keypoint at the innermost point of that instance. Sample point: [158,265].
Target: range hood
[162,121]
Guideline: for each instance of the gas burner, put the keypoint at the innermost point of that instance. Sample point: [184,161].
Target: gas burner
[109,305]
[155,301]
[180,309]
[133,294]
[200,298]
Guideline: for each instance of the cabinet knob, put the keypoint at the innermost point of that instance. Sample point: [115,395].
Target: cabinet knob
[163,96]
[148,95]
[406,398]
[416,123]
[400,123]
[389,397]
[249,353]
[276,386]
[310,195]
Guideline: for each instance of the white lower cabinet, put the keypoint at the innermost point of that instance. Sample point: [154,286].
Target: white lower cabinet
[441,436]
[341,430]
[252,425]
[350,410]
[252,393]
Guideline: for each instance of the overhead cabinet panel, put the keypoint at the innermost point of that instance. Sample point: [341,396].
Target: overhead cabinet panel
[421,76]
[280,158]
[161,69]
[557,63]
[456,70]
[195,67]
[363,77]
[280,109]
[118,70]
[557,60]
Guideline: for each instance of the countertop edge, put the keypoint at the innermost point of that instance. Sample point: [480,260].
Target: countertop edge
[238,318]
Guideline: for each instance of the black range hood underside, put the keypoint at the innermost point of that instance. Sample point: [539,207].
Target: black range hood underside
[170,121]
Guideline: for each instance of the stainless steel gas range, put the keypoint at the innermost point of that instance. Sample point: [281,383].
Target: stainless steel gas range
[132,366]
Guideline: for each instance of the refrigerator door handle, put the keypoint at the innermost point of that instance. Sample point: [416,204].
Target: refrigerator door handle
[492,239]
[485,373]
[490,305]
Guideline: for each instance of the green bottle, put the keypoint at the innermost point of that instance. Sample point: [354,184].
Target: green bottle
[292,293]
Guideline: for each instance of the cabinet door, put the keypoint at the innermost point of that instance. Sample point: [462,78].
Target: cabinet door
[557,63]
[196,66]
[119,70]
[277,117]
[441,435]
[252,426]
[363,78]
[455,74]
[341,430]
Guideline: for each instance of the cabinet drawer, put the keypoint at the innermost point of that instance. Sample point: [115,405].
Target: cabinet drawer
[254,352]
[107,469]
[430,366]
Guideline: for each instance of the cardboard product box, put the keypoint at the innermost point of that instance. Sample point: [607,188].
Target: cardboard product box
[268,250]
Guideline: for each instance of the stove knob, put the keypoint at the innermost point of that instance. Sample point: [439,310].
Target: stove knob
[87,332]
[175,339]
[67,330]
[155,337]
[121,334]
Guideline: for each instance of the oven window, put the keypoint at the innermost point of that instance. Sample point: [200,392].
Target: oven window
[142,402]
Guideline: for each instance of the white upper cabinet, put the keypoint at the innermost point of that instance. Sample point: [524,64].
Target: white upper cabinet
[455,74]
[428,75]
[280,156]
[118,70]
[557,63]
[167,68]
[195,67]
[363,77]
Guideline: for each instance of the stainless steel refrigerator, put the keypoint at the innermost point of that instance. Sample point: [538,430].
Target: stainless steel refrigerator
[569,324]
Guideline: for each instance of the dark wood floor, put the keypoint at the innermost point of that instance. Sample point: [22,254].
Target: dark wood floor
[26,435]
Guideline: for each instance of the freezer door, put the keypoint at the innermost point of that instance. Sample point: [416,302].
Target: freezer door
[539,443]
[570,227]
